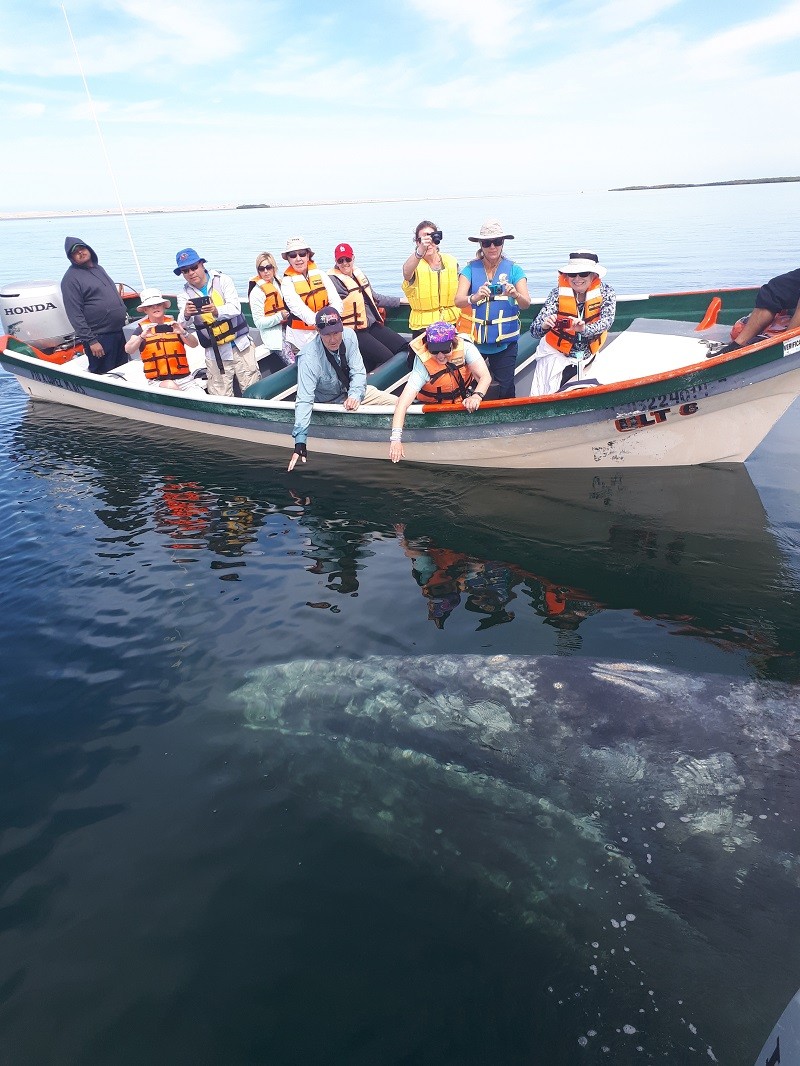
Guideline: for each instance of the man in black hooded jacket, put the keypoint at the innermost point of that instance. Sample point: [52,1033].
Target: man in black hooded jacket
[94,307]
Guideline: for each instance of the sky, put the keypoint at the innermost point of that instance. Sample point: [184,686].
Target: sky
[267,101]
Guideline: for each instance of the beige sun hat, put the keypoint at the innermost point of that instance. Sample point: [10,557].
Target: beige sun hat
[579,262]
[296,244]
[491,229]
[151,298]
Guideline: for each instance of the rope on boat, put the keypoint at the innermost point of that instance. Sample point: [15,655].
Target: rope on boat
[103,145]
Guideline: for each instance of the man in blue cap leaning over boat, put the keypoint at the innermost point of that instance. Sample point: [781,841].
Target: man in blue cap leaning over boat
[330,369]
[94,308]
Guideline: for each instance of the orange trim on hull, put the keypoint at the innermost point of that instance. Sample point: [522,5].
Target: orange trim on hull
[600,390]
[62,355]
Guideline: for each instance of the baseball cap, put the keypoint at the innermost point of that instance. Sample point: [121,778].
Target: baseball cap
[328,320]
[439,336]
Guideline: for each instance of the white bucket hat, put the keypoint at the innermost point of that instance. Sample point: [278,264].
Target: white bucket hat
[580,262]
[296,244]
[491,229]
[151,298]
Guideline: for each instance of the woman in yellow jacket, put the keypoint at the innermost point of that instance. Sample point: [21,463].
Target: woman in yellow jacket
[430,280]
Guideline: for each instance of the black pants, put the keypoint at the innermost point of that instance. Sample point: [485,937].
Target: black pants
[114,349]
[378,344]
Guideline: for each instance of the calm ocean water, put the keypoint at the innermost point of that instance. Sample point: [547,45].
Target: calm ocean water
[379,765]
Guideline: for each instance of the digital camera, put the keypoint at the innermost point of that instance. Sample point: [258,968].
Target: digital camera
[495,288]
[436,236]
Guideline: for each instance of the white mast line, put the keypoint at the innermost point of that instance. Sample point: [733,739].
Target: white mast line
[103,145]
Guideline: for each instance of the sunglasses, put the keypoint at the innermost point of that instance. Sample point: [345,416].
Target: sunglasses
[266,266]
[344,259]
[297,255]
[583,274]
[188,270]
[498,243]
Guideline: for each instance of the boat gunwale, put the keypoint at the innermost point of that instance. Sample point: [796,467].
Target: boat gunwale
[712,363]
[533,409]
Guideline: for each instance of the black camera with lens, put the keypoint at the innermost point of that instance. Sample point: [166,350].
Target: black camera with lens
[436,236]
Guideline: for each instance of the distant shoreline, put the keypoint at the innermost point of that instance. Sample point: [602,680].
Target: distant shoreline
[704,184]
[115,211]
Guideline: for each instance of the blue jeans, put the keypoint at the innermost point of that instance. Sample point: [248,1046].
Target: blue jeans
[502,365]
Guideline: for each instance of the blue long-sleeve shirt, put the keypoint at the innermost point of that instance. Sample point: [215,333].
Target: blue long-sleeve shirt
[318,382]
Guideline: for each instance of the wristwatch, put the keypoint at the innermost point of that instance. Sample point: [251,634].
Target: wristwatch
[481,394]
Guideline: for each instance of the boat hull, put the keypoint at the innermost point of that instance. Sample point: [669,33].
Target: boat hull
[718,411]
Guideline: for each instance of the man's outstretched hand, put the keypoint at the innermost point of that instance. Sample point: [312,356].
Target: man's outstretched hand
[300,452]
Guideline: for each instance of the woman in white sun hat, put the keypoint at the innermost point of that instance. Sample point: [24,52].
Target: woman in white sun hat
[492,290]
[306,289]
[573,323]
[160,341]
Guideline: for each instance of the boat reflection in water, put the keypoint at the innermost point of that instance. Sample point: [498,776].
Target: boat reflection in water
[690,547]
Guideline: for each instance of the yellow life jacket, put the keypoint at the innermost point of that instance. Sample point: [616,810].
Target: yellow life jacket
[311,290]
[359,294]
[564,339]
[450,381]
[214,332]
[431,294]
[164,354]
[273,297]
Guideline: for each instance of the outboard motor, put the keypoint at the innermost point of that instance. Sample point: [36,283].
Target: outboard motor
[34,312]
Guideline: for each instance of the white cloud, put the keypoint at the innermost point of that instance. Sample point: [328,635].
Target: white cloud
[31,109]
[740,43]
[490,25]
[574,97]
[618,15]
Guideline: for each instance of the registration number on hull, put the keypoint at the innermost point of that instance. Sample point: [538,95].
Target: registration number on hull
[642,419]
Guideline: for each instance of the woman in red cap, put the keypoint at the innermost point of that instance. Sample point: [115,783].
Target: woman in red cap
[361,310]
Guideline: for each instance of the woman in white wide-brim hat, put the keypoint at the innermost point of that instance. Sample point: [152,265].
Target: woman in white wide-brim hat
[573,323]
[160,342]
[306,289]
[492,290]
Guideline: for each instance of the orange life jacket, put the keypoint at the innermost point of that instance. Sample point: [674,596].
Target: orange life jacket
[273,297]
[564,339]
[450,381]
[779,324]
[311,290]
[164,354]
[359,294]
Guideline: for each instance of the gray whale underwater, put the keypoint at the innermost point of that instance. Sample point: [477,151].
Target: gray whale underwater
[638,819]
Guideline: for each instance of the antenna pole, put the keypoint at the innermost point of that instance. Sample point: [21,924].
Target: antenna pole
[103,145]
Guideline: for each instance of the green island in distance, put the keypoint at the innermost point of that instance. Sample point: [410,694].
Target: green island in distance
[703,184]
